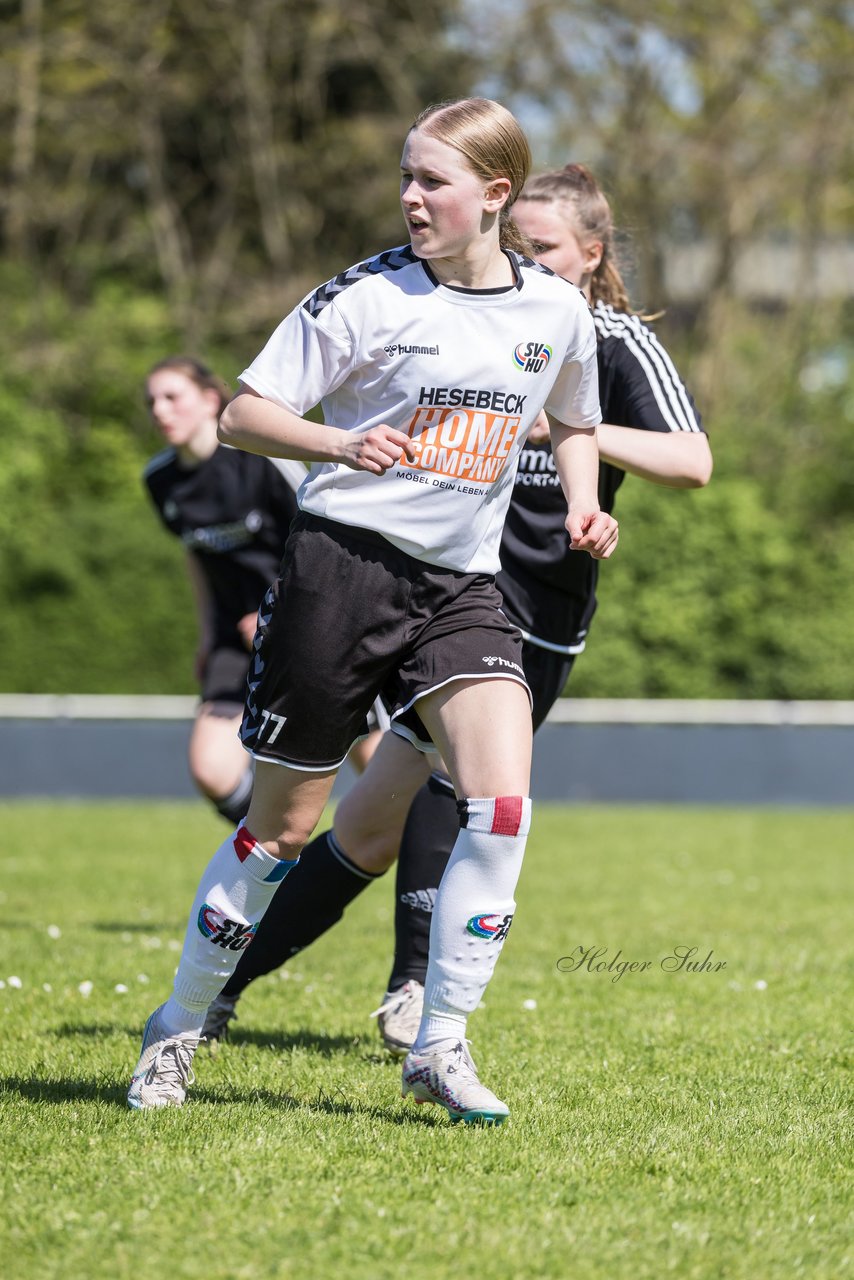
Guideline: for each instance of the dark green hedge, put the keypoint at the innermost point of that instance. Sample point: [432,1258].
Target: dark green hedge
[743,589]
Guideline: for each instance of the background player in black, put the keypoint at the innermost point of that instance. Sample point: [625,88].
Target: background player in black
[651,428]
[232,511]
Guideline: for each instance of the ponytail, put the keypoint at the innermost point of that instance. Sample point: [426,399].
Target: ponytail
[510,237]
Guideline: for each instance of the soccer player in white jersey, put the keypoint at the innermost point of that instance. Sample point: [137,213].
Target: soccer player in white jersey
[651,429]
[431,362]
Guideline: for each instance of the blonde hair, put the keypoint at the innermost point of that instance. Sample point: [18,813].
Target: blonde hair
[492,141]
[587,210]
[198,373]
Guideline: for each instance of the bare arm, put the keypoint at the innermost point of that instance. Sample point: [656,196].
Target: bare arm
[577,461]
[678,459]
[246,627]
[256,425]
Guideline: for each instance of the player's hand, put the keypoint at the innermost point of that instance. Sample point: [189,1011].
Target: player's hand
[377,450]
[594,532]
[247,626]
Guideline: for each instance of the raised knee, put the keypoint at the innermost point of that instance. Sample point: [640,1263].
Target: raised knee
[284,841]
[374,856]
[368,837]
[214,775]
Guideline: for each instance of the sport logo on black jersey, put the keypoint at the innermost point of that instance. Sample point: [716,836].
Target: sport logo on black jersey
[532,357]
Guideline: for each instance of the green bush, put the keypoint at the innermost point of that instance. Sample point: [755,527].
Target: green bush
[101,605]
[740,590]
[711,595]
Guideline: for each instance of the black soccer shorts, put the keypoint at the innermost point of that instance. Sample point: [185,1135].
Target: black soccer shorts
[352,618]
[547,673]
[224,676]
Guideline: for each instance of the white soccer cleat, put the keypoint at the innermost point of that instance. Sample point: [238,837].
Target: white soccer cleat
[165,1067]
[399,1017]
[448,1076]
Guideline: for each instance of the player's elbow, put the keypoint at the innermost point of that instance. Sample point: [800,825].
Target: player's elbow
[237,418]
[227,429]
[698,479]
[699,471]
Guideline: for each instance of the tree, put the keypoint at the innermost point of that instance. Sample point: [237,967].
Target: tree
[723,124]
[213,150]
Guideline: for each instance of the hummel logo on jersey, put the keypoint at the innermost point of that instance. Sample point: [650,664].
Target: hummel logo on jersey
[400,349]
[222,932]
[502,662]
[532,357]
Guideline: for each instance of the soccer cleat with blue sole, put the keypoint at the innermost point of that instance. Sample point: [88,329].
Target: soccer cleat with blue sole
[165,1067]
[446,1075]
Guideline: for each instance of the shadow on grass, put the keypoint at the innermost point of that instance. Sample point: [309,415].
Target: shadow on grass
[94,1030]
[325,1046]
[328,1104]
[60,1092]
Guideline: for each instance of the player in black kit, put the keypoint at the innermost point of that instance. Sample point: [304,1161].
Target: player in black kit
[232,511]
[650,428]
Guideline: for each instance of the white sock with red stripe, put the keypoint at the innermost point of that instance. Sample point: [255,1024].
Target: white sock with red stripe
[473,912]
[235,890]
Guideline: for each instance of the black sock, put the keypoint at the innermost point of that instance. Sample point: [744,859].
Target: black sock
[235,806]
[310,900]
[430,833]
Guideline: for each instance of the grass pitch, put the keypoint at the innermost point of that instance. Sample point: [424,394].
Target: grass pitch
[666,1120]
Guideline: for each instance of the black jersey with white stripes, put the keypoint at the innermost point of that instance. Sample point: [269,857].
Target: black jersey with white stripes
[549,591]
[232,512]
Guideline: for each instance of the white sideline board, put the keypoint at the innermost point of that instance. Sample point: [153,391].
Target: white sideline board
[707,711]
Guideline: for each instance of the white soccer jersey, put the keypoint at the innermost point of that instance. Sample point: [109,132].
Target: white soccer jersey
[463,372]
